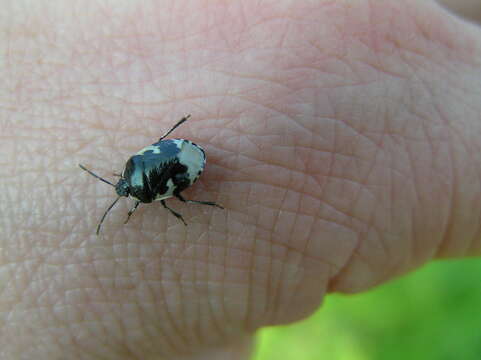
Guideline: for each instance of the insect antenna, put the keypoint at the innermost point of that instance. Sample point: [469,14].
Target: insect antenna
[181,121]
[95,175]
[105,214]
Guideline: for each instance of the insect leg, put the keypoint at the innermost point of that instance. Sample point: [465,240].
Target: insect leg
[131,211]
[181,121]
[181,198]
[176,214]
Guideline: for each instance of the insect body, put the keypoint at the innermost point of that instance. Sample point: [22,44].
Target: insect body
[158,172]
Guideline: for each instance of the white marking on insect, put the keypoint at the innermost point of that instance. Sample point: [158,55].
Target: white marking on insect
[193,158]
[154,149]
[169,193]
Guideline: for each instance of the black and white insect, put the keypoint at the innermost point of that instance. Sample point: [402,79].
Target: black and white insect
[158,172]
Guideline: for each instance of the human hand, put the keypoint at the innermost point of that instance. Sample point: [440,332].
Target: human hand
[341,137]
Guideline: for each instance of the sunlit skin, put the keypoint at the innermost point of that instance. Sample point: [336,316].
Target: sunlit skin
[342,137]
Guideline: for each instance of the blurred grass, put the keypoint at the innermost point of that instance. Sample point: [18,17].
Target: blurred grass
[433,313]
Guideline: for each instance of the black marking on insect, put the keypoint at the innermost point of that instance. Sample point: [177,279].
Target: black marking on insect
[158,172]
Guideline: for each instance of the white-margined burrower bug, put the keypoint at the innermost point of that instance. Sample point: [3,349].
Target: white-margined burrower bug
[158,172]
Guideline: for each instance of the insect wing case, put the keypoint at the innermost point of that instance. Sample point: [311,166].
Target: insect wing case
[149,172]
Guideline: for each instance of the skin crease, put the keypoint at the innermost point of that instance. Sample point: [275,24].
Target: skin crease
[342,138]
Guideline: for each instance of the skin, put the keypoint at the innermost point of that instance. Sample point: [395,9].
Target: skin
[343,139]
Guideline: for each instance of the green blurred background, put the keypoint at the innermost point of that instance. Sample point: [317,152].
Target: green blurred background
[433,313]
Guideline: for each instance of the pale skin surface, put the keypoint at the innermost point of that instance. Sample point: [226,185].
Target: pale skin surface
[343,139]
